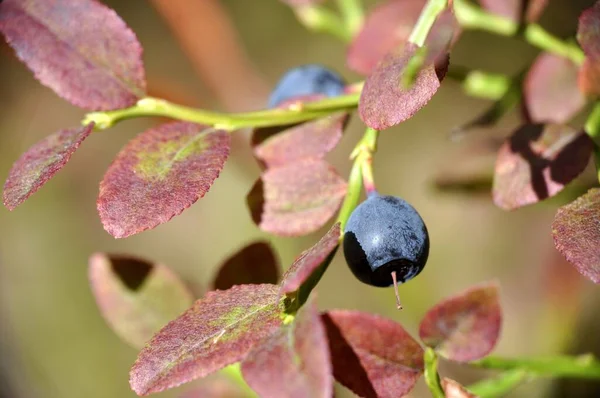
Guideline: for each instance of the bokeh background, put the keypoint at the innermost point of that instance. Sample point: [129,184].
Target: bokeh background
[227,55]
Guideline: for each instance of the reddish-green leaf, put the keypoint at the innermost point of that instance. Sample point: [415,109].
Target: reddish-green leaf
[550,90]
[386,27]
[310,261]
[294,362]
[464,327]
[218,387]
[577,236]
[79,48]
[454,389]
[218,330]
[513,9]
[384,101]
[312,139]
[136,297]
[296,199]
[159,174]
[40,163]
[372,356]
[588,32]
[254,264]
[537,161]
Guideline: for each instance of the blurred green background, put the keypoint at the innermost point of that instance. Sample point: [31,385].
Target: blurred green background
[54,342]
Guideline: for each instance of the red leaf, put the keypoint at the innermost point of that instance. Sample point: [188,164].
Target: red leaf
[384,102]
[294,362]
[218,330]
[577,236]
[136,297]
[371,355]
[79,48]
[453,389]
[254,264]
[512,9]
[312,139]
[550,90]
[388,26]
[296,199]
[589,78]
[159,174]
[40,163]
[464,327]
[536,162]
[588,32]
[310,260]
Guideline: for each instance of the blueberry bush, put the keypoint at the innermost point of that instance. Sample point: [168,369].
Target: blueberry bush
[263,330]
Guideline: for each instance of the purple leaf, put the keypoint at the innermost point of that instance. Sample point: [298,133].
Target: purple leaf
[159,174]
[40,163]
[384,101]
[372,356]
[254,264]
[550,90]
[312,139]
[310,261]
[296,199]
[464,327]
[577,236]
[136,297]
[294,362]
[79,48]
[388,26]
[218,330]
[215,387]
[588,32]
[537,161]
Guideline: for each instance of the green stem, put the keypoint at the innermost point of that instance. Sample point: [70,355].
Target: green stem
[426,20]
[353,13]
[584,366]
[486,85]
[272,117]
[471,16]
[592,124]
[499,386]
[320,19]
[234,373]
[432,379]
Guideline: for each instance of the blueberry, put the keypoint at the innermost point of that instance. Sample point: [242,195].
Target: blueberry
[306,80]
[385,242]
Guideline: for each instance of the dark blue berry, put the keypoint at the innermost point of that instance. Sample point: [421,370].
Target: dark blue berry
[306,80]
[385,239]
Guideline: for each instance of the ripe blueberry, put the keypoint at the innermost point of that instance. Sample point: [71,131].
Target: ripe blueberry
[385,242]
[306,80]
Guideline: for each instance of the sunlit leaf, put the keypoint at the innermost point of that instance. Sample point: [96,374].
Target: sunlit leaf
[454,389]
[40,163]
[218,330]
[79,48]
[537,161]
[310,262]
[513,9]
[159,174]
[371,355]
[550,89]
[384,101]
[254,264]
[311,139]
[386,27]
[293,362]
[577,236]
[466,326]
[136,297]
[296,199]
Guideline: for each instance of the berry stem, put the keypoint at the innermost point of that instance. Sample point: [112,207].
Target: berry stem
[398,304]
[319,19]
[501,385]
[583,366]
[431,375]
[430,12]
[592,128]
